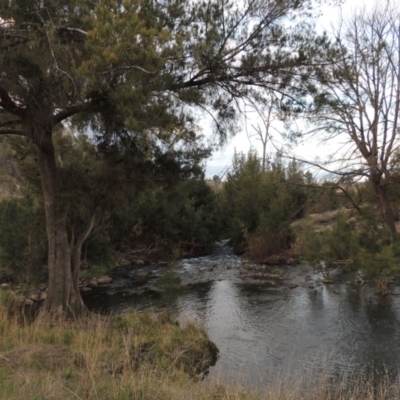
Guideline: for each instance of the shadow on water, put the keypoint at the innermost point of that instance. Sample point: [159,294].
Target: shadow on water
[263,331]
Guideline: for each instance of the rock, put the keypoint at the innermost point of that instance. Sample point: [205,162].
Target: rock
[42,286]
[104,279]
[28,302]
[43,296]
[139,262]
[93,282]
[327,281]
[86,289]
[5,286]
[311,286]
[34,297]
[292,286]
[274,260]
[143,274]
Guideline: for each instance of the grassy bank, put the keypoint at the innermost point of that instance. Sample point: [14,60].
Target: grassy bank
[136,356]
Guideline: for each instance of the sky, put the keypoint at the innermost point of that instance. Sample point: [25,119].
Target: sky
[310,150]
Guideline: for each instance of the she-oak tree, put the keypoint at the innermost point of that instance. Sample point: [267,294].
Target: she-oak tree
[142,66]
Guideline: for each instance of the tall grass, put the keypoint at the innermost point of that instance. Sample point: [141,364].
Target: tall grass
[139,356]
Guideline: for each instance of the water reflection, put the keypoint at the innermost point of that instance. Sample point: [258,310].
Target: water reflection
[262,334]
[264,331]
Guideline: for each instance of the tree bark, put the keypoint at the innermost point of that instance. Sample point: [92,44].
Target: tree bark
[63,296]
[76,250]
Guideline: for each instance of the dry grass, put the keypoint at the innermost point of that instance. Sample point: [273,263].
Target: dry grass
[139,356]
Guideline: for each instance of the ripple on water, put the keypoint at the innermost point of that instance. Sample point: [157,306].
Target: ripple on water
[265,331]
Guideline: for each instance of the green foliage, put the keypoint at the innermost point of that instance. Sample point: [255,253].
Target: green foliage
[137,62]
[8,171]
[378,255]
[95,269]
[358,243]
[184,216]
[334,243]
[132,73]
[262,204]
[22,239]
[169,198]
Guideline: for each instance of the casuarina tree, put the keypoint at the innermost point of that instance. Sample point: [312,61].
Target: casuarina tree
[141,67]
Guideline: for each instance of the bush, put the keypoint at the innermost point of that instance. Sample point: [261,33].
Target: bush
[22,240]
[359,243]
[184,217]
[260,205]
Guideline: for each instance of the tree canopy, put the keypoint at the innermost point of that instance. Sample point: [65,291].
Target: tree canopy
[138,71]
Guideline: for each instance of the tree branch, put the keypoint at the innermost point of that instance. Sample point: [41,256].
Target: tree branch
[7,103]
[73,110]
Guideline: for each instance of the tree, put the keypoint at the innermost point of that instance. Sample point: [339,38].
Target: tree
[268,115]
[260,205]
[360,99]
[138,67]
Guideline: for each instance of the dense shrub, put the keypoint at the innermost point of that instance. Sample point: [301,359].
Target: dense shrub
[357,243]
[22,240]
[260,205]
[184,216]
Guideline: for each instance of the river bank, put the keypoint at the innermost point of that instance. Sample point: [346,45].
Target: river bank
[126,356]
[272,324]
[144,357]
[269,322]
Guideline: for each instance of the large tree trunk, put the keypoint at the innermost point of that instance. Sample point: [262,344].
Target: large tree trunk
[63,297]
[387,211]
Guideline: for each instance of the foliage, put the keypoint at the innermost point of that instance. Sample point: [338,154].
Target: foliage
[358,243]
[323,196]
[332,244]
[23,240]
[8,171]
[183,216]
[134,71]
[171,200]
[262,204]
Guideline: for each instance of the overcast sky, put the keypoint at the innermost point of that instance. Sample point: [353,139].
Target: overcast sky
[311,149]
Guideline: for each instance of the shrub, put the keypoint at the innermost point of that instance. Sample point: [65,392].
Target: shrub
[22,240]
[261,204]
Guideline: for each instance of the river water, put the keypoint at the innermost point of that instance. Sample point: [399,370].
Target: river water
[291,327]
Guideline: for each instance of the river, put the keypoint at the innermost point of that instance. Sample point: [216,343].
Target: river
[288,325]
